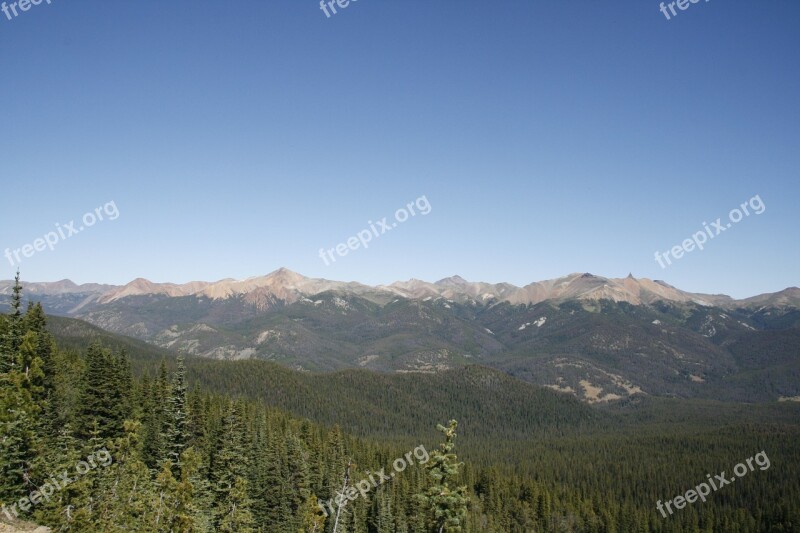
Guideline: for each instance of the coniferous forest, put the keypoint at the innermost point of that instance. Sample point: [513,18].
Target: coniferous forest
[93,439]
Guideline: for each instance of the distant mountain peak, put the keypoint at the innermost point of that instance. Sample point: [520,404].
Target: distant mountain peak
[283,271]
[788,297]
[143,287]
[286,275]
[284,286]
[452,280]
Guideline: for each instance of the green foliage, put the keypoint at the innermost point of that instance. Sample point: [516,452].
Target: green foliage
[177,436]
[241,453]
[446,506]
[105,393]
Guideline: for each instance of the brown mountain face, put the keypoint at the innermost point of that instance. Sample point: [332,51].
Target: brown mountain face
[602,339]
[140,286]
[572,287]
[286,286]
[786,298]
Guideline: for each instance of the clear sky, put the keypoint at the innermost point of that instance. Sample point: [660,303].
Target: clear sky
[548,137]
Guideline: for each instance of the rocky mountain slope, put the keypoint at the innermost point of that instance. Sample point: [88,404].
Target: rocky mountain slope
[601,339]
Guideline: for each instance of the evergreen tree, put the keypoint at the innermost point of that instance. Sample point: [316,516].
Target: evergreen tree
[12,336]
[447,508]
[312,518]
[234,514]
[336,465]
[122,386]
[274,507]
[297,482]
[174,504]
[103,395]
[382,517]
[17,443]
[18,410]
[153,445]
[195,478]
[126,499]
[177,436]
[61,456]
[229,474]
[35,322]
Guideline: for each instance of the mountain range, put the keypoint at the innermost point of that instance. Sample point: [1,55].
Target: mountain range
[600,339]
[286,286]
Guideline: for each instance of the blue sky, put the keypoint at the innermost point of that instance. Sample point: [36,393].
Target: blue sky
[548,137]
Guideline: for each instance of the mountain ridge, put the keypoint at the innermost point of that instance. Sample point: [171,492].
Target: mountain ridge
[288,286]
[601,339]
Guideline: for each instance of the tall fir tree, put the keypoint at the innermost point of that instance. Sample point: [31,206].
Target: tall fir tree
[12,336]
[177,436]
[153,447]
[18,410]
[229,474]
[102,391]
[297,482]
[447,507]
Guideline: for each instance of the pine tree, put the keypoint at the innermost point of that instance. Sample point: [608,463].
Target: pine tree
[38,356]
[102,390]
[234,513]
[197,419]
[447,508]
[153,447]
[312,518]
[163,383]
[125,502]
[18,410]
[297,482]
[273,506]
[12,337]
[42,348]
[382,518]
[258,472]
[229,475]
[17,445]
[340,517]
[173,502]
[335,467]
[122,380]
[177,436]
[60,457]
[195,478]
[81,490]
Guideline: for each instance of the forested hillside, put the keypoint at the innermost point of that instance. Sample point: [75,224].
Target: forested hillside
[631,340]
[251,446]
